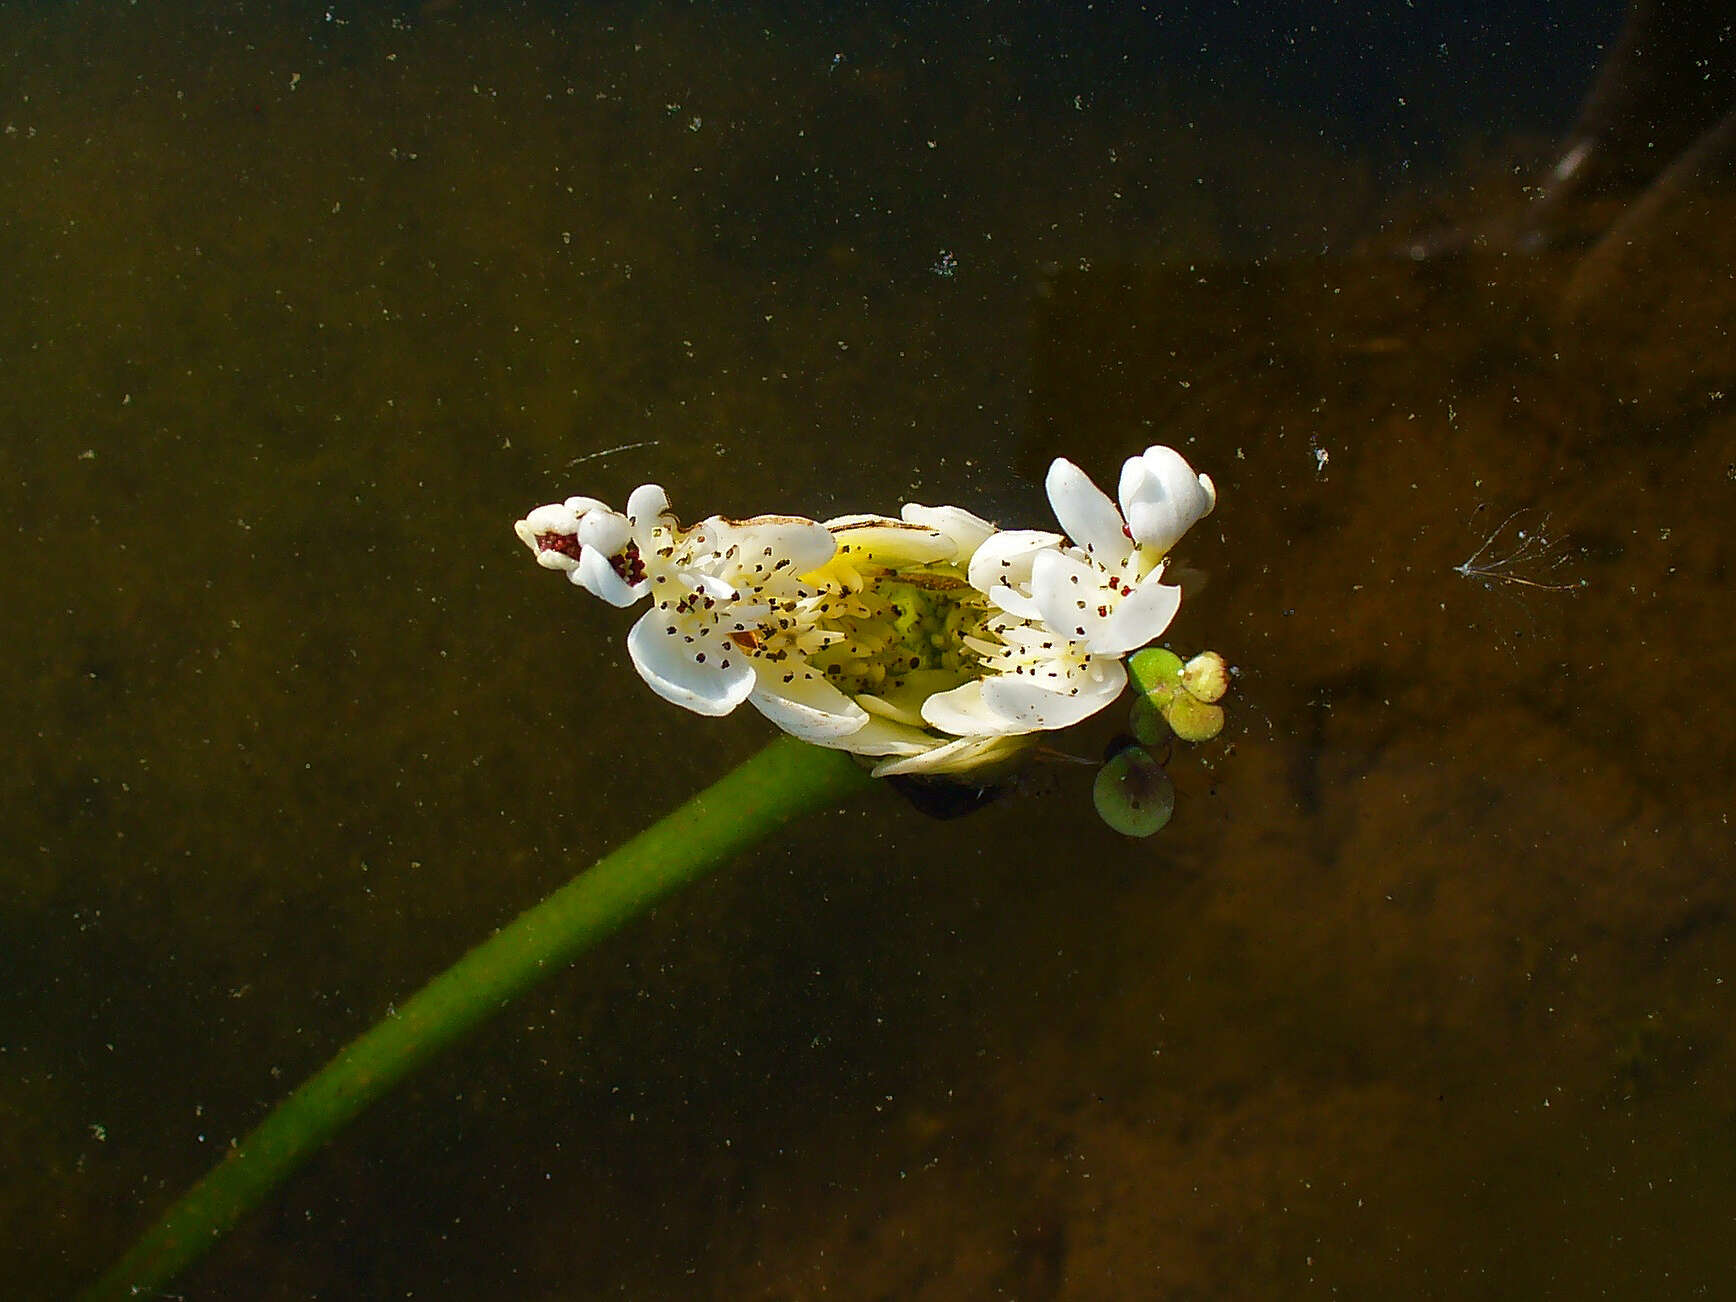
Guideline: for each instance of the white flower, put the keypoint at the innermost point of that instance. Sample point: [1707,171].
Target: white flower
[802,620]
[934,642]
[1163,498]
[582,537]
[1103,589]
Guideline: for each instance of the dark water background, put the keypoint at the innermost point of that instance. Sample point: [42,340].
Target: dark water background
[1426,991]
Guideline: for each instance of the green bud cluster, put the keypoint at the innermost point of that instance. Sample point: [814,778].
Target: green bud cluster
[1132,792]
[1184,696]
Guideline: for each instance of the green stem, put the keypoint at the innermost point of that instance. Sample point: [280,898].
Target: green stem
[784,781]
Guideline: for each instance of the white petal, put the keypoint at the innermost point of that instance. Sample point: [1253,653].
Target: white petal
[606,531]
[713,686]
[967,531]
[1032,706]
[1072,596]
[1138,619]
[1078,602]
[1014,602]
[554,518]
[1178,478]
[806,544]
[1157,525]
[705,545]
[881,708]
[901,699]
[892,543]
[1031,636]
[1087,515]
[648,505]
[807,706]
[764,540]
[597,576]
[1163,498]
[711,586]
[1141,477]
[963,712]
[1006,557]
[884,737]
[966,755]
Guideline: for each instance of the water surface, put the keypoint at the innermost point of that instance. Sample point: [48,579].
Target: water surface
[1424,992]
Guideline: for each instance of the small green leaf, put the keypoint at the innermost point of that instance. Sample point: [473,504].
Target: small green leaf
[1133,793]
[1146,722]
[1192,718]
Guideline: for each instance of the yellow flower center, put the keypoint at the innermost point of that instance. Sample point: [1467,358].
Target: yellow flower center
[900,634]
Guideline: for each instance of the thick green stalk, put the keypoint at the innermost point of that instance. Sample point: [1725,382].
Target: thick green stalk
[784,781]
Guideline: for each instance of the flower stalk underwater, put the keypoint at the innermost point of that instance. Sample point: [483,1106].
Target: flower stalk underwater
[784,781]
[932,644]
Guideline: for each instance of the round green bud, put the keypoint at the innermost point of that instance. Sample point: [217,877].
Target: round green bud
[1206,676]
[1133,793]
[1194,719]
[1154,669]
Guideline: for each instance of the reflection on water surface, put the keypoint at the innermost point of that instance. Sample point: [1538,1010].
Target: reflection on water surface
[1424,989]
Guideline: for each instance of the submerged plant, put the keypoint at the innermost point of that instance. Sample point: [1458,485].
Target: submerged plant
[932,645]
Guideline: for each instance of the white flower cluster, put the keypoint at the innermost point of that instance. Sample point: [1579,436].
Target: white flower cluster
[935,641]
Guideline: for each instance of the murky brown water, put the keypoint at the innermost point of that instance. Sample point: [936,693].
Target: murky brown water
[1426,990]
